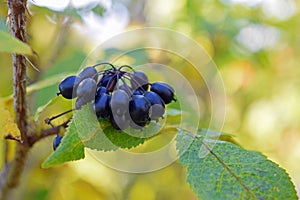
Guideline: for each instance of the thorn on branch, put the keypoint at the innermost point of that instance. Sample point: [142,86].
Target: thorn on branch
[9,136]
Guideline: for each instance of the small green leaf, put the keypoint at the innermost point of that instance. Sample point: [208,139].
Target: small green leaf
[70,148]
[10,44]
[230,172]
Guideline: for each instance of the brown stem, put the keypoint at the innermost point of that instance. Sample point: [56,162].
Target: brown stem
[11,173]
[17,22]
[33,138]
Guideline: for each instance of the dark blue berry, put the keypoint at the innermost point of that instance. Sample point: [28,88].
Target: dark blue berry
[119,102]
[125,104]
[139,108]
[88,72]
[105,79]
[139,80]
[158,105]
[100,91]
[102,107]
[87,89]
[126,88]
[165,91]
[56,141]
[67,86]
[79,103]
[138,91]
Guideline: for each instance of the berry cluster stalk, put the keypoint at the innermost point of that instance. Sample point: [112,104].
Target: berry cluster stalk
[11,173]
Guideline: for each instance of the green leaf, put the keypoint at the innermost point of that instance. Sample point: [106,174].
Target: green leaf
[101,135]
[70,149]
[86,131]
[90,131]
[216,135]
[227,171]
[10,44]
[121,139]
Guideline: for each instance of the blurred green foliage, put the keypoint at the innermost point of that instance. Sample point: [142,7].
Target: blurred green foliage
[255,47]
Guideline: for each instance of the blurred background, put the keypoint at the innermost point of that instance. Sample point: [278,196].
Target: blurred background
[254,44]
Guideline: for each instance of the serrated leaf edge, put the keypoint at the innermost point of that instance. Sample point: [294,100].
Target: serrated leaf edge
[198,139]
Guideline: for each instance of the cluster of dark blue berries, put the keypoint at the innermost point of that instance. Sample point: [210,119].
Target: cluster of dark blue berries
[123,95]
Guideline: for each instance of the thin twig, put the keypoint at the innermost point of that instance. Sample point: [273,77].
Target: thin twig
[33,138]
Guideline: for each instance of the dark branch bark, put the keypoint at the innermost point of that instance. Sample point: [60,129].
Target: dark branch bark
[11,173]
[17,22]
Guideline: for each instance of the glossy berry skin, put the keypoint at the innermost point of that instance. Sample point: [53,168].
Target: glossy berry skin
[139,79]
[119,102]
[165,91]
[67,86]
[79,103]
[101,106]
[100,91]
[139,108]
[88,72]
[56,141]
[126,88]
[87,89]
[157,105]
[138,91]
